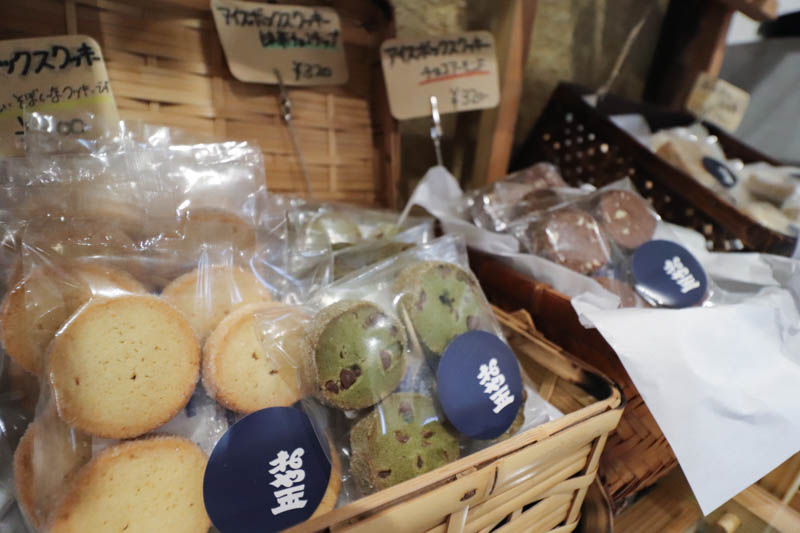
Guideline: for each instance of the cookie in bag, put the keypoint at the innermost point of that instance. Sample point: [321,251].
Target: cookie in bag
[403,437]
[441,301]
[207,294]
[626,218]
[138,486]
[358,354]
[34,310]
[246,368]
[46,459]
[572,238]
[123,366]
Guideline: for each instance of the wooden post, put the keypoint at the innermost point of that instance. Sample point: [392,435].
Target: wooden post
[495,134]
[693,38]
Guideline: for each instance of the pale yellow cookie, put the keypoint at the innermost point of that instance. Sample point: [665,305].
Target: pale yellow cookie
[214,227]
[206,295]
[47,457]
[140,486]
[250,360]
[123,366]
[38,306]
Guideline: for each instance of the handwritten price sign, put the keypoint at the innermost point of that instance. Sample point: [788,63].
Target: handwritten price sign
[303,43]
[63,76]
[460,70]
[718,101]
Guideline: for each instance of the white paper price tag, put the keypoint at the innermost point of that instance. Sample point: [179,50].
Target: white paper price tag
[718,101]
[304,43]
[63,76]
[460,70]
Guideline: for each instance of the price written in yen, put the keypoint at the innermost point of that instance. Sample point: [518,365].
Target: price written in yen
[460,97]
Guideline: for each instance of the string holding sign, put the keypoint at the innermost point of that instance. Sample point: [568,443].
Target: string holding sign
[459,70]
[64,76]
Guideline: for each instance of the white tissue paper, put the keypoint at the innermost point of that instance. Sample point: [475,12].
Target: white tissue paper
[720,380]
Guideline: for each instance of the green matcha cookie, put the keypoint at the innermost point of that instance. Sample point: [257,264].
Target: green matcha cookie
[357,257]
[442,302]
[359,354]
[400,439]
[332,228]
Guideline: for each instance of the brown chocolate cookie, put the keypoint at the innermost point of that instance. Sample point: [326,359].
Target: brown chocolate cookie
[626,218]
[572,238]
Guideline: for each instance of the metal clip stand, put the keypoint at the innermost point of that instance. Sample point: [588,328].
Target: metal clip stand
[436,130]
[436,137]
[286,111]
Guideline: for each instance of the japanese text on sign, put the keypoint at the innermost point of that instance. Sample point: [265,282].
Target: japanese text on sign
[303,43]
[288,472]
[460,70]
[494,383]
[675,269]
[63,76]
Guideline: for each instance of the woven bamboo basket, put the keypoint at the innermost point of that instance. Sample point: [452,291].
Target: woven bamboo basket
[637,454]
[166,66]
[589,148]
[533,482]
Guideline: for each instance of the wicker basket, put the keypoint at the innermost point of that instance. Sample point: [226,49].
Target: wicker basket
[533,482]
[588,147]
[637,454]
[166,66]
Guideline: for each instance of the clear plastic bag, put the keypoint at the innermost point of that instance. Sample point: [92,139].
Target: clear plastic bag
[375,344]
[517,195]
[758,189]
[614,236]
[120,304]
[319,235]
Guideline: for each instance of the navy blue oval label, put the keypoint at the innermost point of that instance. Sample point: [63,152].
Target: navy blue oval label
[267,473]
[720,171]
[480,386]
[667,275]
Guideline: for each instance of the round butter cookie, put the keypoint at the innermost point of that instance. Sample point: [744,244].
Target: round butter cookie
[250,360]
[208,294]
[210,225]
[38,306]
[47,457]
[140,486]
[123,366]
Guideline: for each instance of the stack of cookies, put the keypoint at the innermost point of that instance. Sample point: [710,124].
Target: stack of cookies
[371,358]
[116,361]
[594,236]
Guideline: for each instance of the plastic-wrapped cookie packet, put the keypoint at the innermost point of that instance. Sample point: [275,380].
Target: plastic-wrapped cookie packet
[698,153]
[331,227]
[144,343]
[316,232]
[614,236]
[360,255]
[759,190]
[518,195]
[410,368]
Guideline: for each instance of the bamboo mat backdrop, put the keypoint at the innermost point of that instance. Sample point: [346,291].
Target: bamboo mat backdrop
[166,66]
